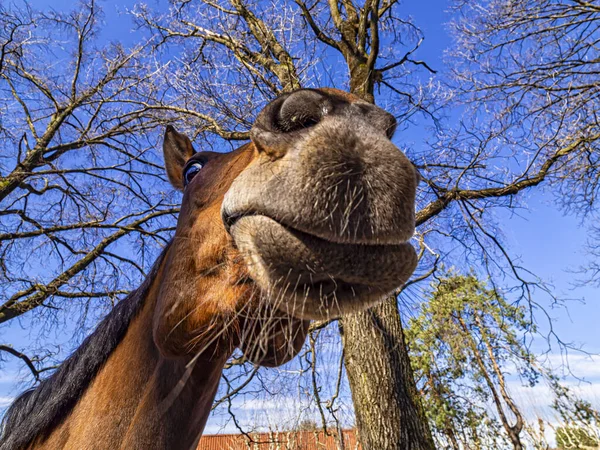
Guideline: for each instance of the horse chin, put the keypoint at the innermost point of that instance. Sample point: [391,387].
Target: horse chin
[310,277]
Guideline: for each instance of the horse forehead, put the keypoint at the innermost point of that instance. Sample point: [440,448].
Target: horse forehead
[227,166]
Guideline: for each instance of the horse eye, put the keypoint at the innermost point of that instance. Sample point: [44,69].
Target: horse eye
[190,172]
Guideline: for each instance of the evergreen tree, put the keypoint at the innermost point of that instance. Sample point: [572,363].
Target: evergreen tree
[463,342]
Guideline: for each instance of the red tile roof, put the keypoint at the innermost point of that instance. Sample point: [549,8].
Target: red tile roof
[283,440]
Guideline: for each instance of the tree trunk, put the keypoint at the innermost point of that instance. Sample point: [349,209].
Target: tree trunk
[388,411]
[449,428]
[389,415]
[513,432]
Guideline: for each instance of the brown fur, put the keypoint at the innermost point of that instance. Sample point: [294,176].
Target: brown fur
[308,220]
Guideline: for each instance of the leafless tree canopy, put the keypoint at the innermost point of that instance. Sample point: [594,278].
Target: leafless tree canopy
[82,204]
[528,70]
[226,59]
[80,190]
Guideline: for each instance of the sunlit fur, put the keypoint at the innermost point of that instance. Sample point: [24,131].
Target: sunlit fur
[305,222]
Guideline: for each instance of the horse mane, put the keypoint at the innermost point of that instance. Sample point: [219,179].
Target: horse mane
[41,408]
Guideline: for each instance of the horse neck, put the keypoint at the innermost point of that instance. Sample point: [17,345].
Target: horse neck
[141,399]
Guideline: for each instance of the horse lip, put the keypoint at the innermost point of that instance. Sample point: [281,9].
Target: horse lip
[320,262]
[230,219]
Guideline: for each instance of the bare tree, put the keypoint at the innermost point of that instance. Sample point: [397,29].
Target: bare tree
[238,55]
[235,55]
[529,70]
[76,170]
[82,134]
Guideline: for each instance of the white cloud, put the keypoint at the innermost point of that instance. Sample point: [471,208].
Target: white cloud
[536,402]
[270,404]
[579,365]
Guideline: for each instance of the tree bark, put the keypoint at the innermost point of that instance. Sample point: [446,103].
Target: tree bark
[513,431]
[389,415]
[388,411]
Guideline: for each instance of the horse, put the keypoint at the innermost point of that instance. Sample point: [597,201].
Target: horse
[310,220]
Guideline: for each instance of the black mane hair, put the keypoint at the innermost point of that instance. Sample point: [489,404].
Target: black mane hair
[38,410]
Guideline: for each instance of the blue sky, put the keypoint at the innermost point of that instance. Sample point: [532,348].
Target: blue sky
[547,242]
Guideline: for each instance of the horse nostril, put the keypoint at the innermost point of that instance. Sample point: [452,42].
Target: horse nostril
[301,109]
[377,117]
